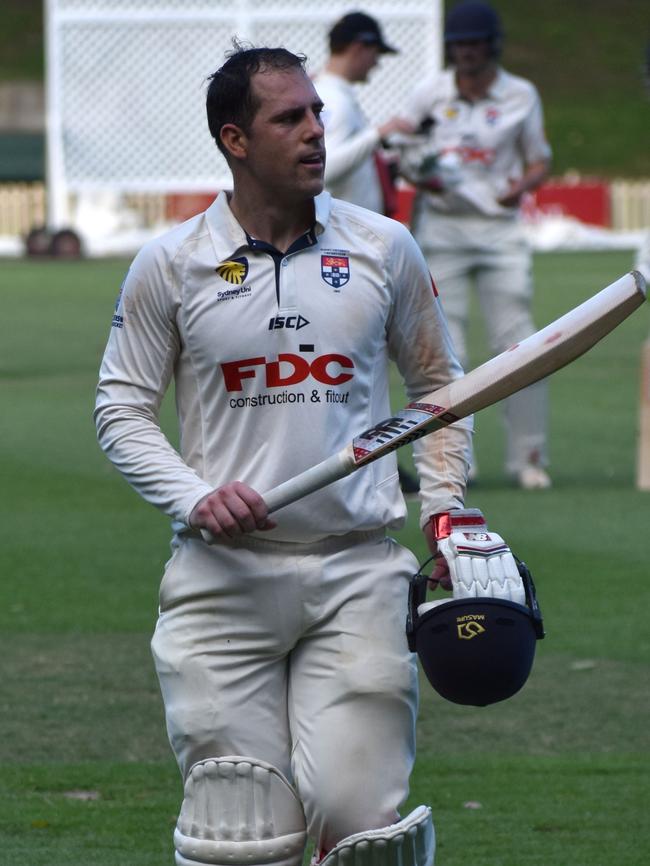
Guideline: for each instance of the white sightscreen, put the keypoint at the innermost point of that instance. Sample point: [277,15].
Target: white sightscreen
[126,81]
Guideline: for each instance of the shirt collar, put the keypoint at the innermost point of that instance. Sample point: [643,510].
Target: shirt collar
[336,79]
[498,87]
[228,237]
[496,91]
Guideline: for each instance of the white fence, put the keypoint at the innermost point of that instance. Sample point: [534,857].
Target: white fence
[126,82]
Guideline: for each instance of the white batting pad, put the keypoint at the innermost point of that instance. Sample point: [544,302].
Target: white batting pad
[410,842]
[238,811]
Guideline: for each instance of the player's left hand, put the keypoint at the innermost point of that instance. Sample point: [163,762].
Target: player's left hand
[440,576]
[481,565]
[473,561]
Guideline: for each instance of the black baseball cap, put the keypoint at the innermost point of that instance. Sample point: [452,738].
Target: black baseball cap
[359,27]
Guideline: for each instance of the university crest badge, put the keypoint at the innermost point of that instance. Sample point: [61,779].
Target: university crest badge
[234,271]
[335,269]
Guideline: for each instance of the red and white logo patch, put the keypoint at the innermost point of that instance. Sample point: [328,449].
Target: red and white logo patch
[335,270]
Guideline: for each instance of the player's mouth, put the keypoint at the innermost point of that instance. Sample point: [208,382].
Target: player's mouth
[314,160]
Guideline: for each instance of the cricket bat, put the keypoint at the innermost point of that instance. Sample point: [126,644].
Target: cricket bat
[532,359]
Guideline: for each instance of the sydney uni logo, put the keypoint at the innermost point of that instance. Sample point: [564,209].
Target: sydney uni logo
[233,271]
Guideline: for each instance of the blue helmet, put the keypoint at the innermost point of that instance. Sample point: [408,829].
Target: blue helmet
[472,20]
[475,651]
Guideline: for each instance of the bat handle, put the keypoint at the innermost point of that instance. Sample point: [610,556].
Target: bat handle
[337,466]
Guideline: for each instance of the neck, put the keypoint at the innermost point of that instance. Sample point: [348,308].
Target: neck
[475,84]
[338,65]
[275,223]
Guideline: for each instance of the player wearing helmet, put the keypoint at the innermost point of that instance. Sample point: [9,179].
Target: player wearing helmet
[482,150]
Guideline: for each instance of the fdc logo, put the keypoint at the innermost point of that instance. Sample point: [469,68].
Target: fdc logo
[289,369]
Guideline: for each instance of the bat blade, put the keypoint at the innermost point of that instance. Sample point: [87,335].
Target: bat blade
[534,358]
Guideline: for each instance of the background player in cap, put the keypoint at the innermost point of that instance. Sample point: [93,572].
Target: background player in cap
[356,168]
[356,43]
[290,693]
[482,149]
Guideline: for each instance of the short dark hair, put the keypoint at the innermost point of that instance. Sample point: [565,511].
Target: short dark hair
[230,97]
[357,27]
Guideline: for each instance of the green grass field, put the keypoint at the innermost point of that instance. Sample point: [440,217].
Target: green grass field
[557,776]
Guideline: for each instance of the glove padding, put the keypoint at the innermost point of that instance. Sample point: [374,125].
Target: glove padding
[481,564]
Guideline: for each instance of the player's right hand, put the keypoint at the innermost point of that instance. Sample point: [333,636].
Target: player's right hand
[396,124]
[229,512]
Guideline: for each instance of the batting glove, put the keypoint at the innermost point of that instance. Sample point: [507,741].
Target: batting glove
[481,564]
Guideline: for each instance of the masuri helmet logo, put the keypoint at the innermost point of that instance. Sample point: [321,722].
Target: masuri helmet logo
[468,630]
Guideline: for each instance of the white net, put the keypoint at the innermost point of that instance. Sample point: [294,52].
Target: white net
[127,80]
[134,109]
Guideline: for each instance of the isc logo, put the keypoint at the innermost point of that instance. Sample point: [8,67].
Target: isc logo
[294,322]
[289,369]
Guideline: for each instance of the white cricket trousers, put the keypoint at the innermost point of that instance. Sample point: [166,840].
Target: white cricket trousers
[491,256]
[295,654]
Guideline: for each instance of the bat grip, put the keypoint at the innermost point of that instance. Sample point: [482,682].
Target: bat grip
[337,466]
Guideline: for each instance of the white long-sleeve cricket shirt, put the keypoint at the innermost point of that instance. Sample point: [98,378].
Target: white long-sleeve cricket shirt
[278,362]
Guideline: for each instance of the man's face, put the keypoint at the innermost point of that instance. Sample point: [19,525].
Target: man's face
[285,151]
[365,58]
[470,56]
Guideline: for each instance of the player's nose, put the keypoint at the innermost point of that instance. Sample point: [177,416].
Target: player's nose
[315,125]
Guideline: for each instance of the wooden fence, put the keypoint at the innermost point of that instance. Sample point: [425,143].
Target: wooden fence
[630,204]
[23,207]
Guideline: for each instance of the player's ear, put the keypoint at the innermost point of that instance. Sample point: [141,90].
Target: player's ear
[235,140]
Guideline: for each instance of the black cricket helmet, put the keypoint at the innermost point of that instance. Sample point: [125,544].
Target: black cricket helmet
[470,21]
[475,651]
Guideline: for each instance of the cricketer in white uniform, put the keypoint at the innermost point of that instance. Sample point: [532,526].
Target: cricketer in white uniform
[352,172]
[485,147]
[289,691]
